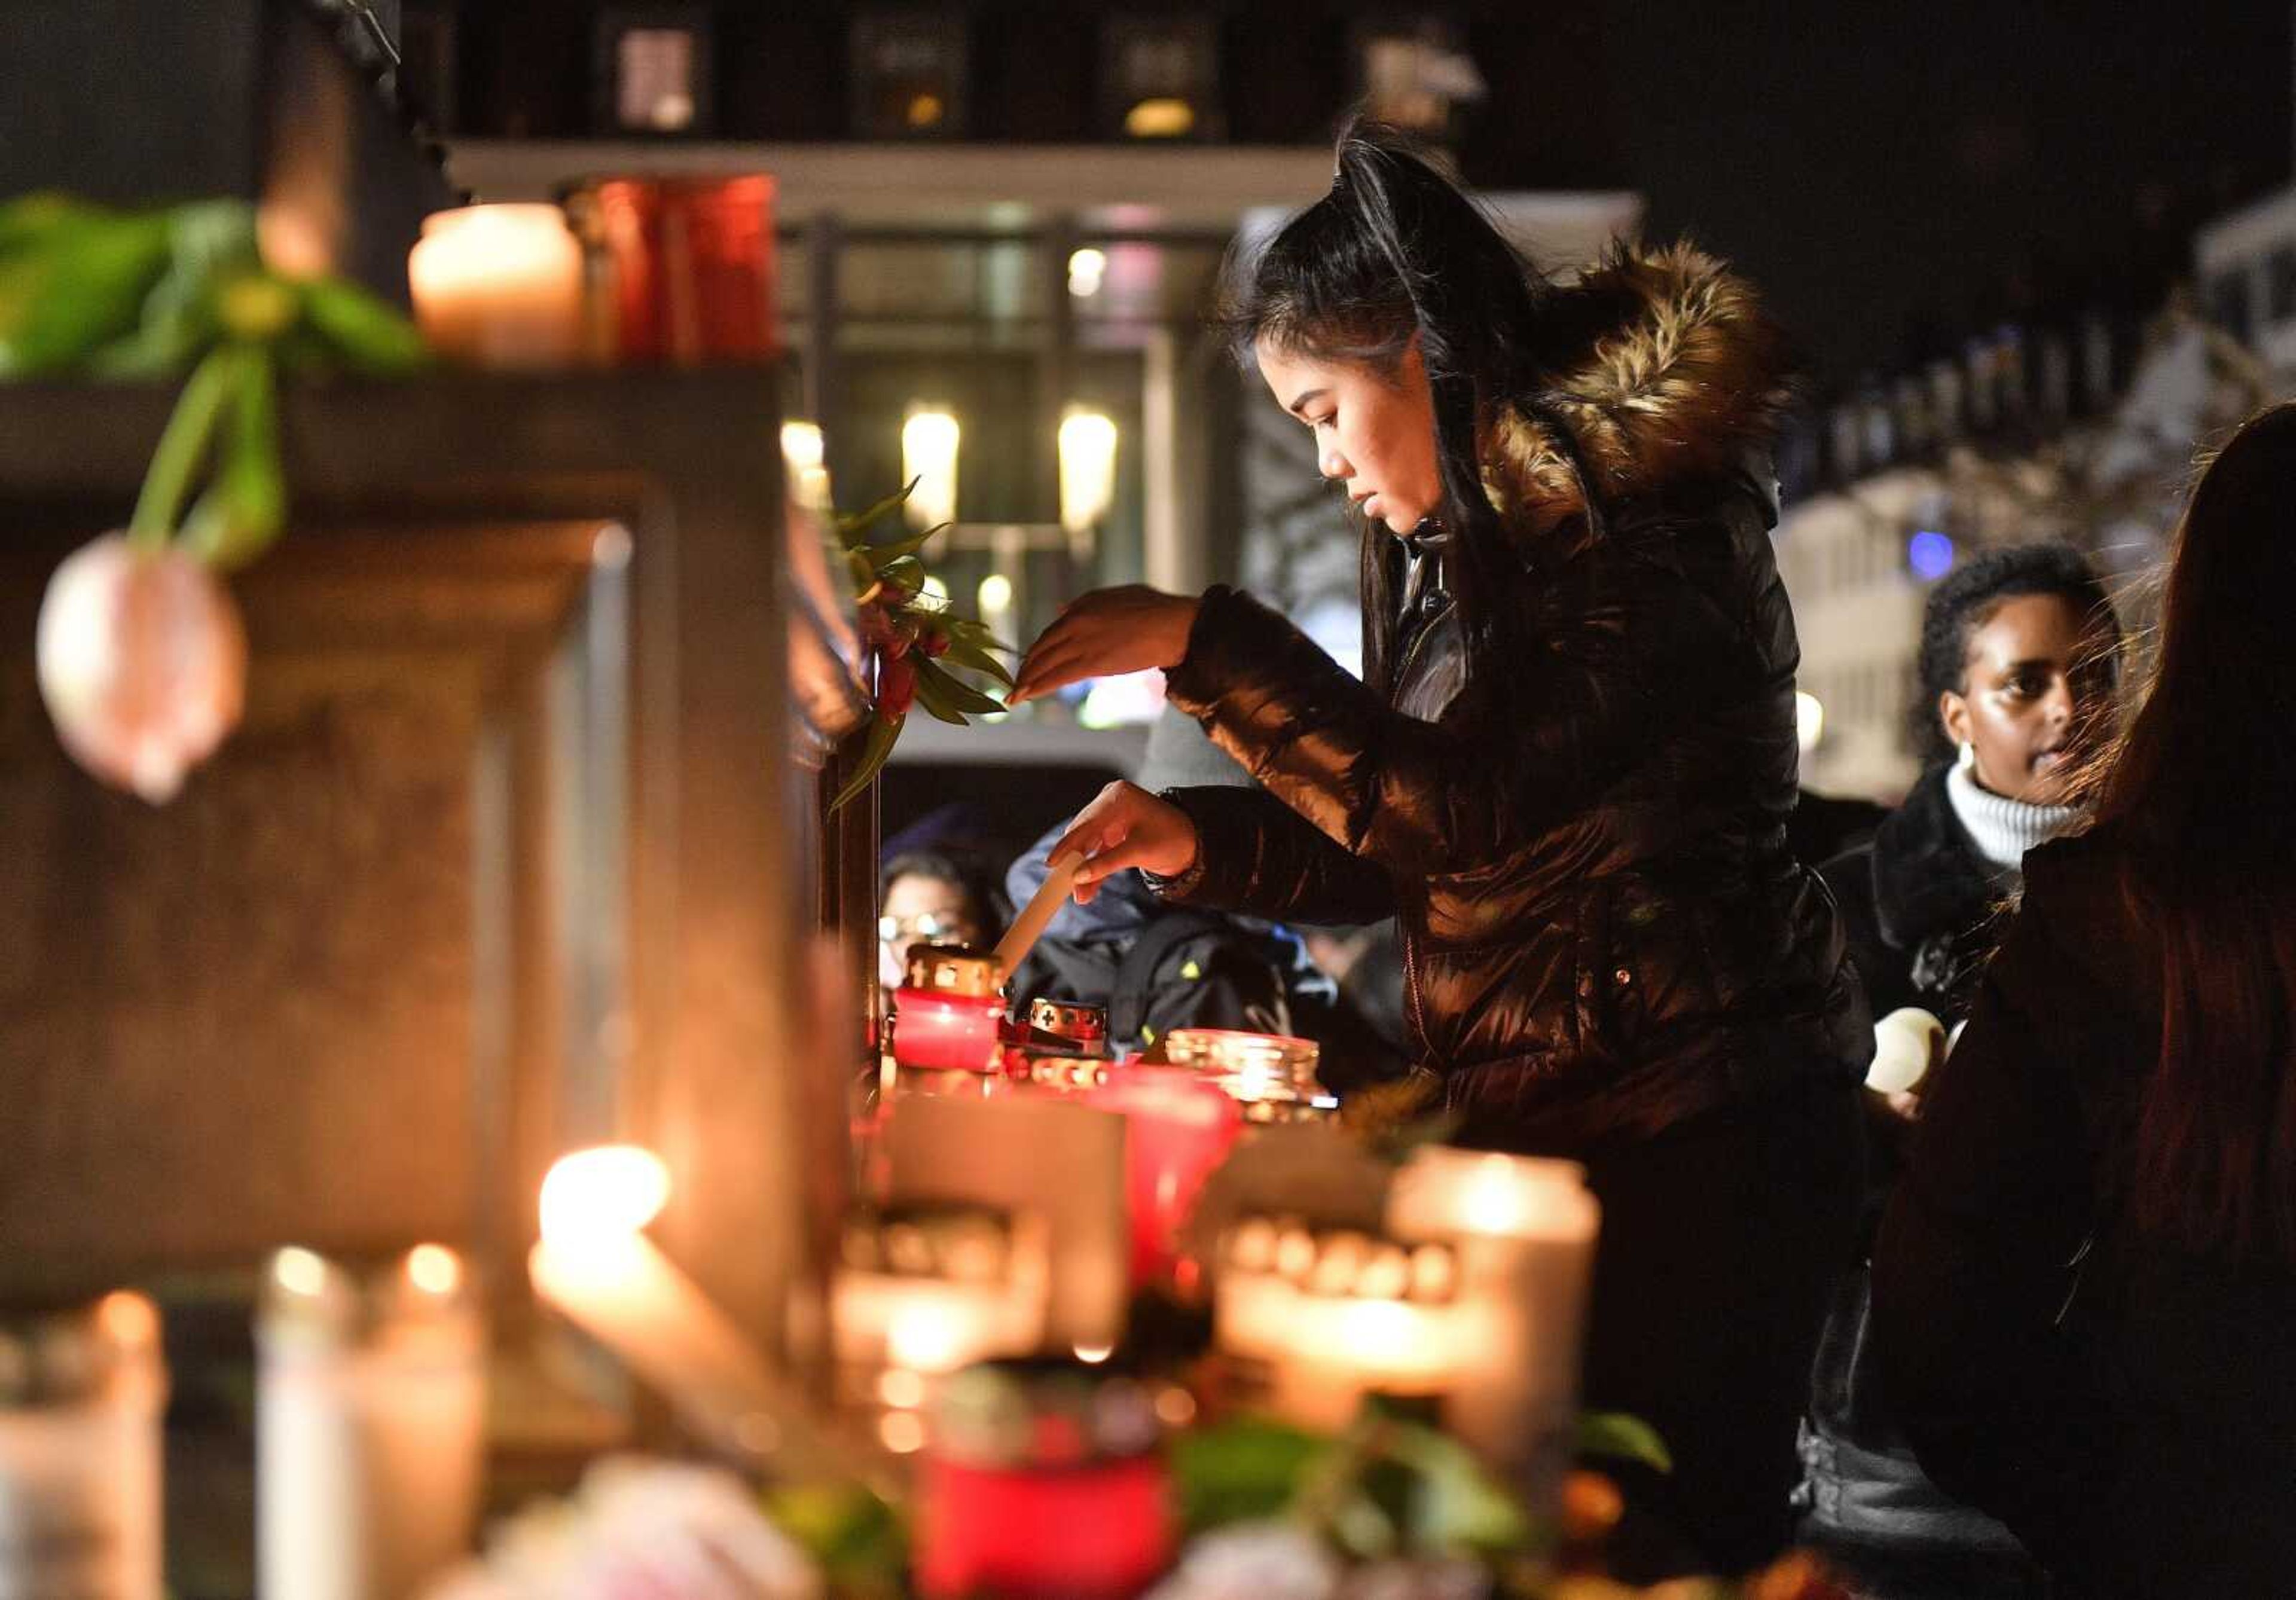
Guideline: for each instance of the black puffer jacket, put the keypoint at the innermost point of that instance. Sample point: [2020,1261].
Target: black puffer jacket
[1606,931]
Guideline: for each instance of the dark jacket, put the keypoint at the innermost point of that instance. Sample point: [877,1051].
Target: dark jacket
[1605,929]
[1919,904]
[2133,1419]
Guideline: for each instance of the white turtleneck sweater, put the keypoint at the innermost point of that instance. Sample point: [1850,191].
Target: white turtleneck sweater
[2003,829]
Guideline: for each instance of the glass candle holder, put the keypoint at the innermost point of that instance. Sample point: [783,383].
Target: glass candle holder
[922,1290]
[1271,1076]
[1042,1479]
[499,286]
[370,1423]
[693,267]
[1178,1128]
[81,1394]
[1314,1321]
[1524,1230]
[948,1016]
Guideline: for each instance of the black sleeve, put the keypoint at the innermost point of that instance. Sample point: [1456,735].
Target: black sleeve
[1629,645]
[1255,854]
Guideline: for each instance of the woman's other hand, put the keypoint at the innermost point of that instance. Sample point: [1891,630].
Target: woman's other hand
[1126,827]
[1108,632]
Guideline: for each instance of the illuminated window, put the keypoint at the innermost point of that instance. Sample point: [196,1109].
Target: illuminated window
[1159,77]
[908,75]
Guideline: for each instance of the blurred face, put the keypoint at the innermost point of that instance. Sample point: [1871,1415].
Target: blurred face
[1374,432]
[921,910]
[2035,690]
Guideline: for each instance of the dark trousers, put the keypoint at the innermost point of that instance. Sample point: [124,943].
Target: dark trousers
[1722,1238]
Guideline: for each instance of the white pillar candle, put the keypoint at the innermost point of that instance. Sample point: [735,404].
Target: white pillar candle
[1524,1231]
[596,1268]
[370,1426]
[499,286]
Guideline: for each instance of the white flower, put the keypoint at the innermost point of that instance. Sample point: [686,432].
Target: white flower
[642,1530]
[1254,1560]
[142,663]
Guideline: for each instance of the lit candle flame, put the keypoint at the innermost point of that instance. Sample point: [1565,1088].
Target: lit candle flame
[610,1191]
[434,1269]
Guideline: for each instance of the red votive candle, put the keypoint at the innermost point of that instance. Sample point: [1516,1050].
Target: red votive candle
[949,1015]
[945,1032]
[693,263]
[1043,1480]
[1178,1129]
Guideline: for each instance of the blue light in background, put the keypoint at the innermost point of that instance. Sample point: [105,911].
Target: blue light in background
[1930,554]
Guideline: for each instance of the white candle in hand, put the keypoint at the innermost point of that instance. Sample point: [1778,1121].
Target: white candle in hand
[1059,882]
[1906,1043]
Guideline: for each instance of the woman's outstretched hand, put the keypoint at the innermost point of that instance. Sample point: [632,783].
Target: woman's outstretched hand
[1126,827]
[1108,632]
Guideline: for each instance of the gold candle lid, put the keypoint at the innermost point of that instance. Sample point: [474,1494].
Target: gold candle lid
[955,970]
[1070,1019]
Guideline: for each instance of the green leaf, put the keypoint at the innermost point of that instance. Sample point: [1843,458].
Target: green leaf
[969,631]
[1456,1506]
[906,570]
[368,336]
[960,695]
[861,522]
[857,1538]
[1623,1438]
[882,732]
[973,658]
[76,290]
[880,556]
[245,507]
[1239,1471]
[31,220]
[931,693]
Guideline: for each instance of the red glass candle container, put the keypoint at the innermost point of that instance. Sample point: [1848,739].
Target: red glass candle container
[694,265]
[1043,1480]
[1178,1129]
[949,1014]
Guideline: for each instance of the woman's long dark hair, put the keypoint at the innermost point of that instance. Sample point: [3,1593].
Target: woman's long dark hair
[1396,250]
[2199,794]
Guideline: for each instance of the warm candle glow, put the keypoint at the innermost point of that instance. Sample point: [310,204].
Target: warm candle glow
[1088,447]
[929,444]
[434,1269]
[128,1320]
[595,1195]
[499,285]
[300,1271]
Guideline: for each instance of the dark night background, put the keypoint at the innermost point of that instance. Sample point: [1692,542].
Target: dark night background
[1897,176]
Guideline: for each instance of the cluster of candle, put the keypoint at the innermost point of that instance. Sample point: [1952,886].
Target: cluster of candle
[634,270]
[81,1394]
[1471,1298]
[370,1423]
[924,1291]
[1315,1321]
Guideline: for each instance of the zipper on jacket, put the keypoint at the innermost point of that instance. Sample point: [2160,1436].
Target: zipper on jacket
[1411,991]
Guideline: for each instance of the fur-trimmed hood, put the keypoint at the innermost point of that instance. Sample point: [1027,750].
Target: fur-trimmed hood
[1682,375]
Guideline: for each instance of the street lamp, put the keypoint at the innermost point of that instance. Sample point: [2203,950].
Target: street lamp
[928,441]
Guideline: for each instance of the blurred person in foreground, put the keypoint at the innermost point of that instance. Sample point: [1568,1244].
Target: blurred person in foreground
[1567,771]
[2020,665]
[2084,1289]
